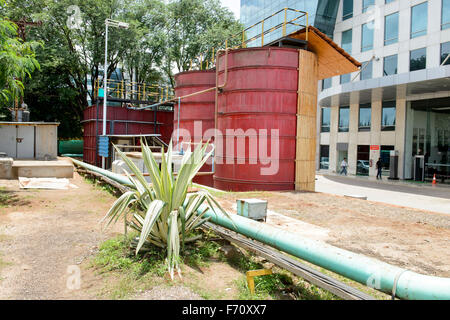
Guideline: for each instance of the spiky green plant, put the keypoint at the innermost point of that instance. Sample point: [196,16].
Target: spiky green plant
[163,212]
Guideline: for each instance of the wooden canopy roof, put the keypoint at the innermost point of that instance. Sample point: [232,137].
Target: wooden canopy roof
[332,59]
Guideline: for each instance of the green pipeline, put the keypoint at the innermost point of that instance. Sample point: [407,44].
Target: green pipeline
[406,284]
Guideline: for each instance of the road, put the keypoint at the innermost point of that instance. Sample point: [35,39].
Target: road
[435,199]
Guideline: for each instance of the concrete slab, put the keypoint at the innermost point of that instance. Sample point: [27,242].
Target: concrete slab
[42,169]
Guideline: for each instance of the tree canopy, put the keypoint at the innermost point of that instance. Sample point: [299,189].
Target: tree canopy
[163,39]
[17,62]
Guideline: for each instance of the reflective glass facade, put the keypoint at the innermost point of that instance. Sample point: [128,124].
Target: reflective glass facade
[326,83]
[445,52]
[325,120]
[367,4]
[388,116]
[366,72]
[347,11]
[365,117]
[347,39]
[430,136]
[419,20]
[344,119]
[445,24]
[322,15]
[390,65]
[345,78]
[418,59]
[367,36]
[391,29]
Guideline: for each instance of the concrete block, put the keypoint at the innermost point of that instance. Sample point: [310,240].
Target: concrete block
[6,168]
[42,169]
[252,208]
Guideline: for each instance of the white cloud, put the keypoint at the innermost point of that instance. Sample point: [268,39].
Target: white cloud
[234,6]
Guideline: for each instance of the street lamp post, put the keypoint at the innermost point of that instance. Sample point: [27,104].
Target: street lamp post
[117,24]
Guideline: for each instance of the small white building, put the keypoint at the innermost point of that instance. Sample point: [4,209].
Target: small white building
[29,140]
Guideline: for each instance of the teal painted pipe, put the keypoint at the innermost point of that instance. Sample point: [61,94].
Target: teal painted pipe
[113,176]
[371,272]
[368,271]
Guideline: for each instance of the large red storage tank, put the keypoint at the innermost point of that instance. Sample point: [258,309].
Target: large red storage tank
[199,108]
[261,93]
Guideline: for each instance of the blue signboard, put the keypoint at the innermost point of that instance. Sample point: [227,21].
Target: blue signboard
[103,146]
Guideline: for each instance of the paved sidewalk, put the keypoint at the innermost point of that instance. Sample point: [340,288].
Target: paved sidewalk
[436,199]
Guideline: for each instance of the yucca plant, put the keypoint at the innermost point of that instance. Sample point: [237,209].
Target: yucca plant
[163,212]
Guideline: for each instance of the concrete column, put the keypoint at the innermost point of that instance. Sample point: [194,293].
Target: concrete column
[375,134]
[353,138]
[334,118]
[400,129]
[407,154]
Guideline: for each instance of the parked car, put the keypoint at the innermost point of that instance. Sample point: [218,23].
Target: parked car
[324,164]
[362,167]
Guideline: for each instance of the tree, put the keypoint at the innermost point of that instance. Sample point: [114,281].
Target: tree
[194,27]
[162,39]
[73,55]
[17,62]
[146,51]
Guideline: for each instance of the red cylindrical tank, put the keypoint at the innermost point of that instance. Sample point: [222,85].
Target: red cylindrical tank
[260,101]
[198,109]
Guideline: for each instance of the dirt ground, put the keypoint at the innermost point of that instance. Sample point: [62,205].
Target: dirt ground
[45,232]
[409,238]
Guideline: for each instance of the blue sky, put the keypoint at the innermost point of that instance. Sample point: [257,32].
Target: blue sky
[233,5]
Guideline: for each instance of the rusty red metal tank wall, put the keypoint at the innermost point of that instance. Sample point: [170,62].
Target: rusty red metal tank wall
[198,108]
[260,93]
[126,121]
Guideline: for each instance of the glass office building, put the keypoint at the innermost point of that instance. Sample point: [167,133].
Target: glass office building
[400,99]
[322,15]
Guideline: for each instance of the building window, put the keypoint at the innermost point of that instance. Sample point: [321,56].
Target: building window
[345,78]
[366,71]
[391,29]
[326,83]
[347,11]
[390,65]
[419,20]
[367,4]
[388,116]
[389,1]
[365,117]
[418,59]
[445,51]
[367,36]
[445,24]
[346,42]
[344,117]
[325,121]
[324,157]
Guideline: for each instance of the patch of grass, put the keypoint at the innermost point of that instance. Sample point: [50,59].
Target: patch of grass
[203,251]
[133,273]
[116,255]
[5,198]
[280,285]
[101,185]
